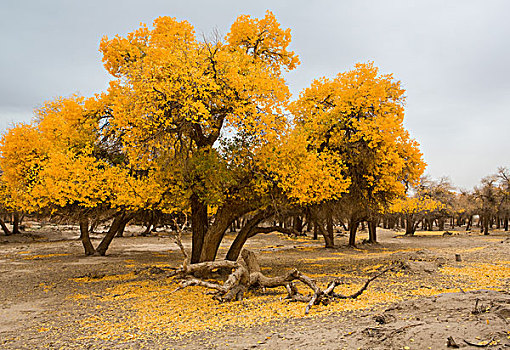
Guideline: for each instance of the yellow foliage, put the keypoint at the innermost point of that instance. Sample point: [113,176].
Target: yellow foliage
[481,275]
[63,123]
[187,311]
[427,292]
[147,142]
[186,116]
[307,177]
[169,81]
[120,277]
[263,39]
[359,115]
[415,205]
[54,163]
[43,256]
[152,307]
[24,153]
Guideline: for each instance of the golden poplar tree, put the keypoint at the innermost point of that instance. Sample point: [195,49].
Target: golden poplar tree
[176,97]
[359,116]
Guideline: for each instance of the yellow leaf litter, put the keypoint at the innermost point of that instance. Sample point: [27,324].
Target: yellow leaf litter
[150,306]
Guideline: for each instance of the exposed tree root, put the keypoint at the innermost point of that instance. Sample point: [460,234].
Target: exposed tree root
[246,275]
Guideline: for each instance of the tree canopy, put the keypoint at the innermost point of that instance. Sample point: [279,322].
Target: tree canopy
[358,115]
[203,126]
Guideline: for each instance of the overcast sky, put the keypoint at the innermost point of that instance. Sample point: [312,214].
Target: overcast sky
[452,57]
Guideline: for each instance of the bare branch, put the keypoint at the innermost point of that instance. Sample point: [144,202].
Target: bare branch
[247,275]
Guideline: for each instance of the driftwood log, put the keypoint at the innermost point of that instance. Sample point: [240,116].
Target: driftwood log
[246,274]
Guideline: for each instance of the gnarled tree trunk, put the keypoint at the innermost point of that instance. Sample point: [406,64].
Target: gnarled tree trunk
[353,227]
[5,228]
[372,233]
[485,225]
[330,234]
[298,223]
[84,237]
[469,223]
[410,226]
[315,230]
[199,226]
[440,224]
[246,232]
[122,228]
[15,222]
[225,216]
[119,222]
[328,239]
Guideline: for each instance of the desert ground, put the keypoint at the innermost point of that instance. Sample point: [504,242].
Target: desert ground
[54,297]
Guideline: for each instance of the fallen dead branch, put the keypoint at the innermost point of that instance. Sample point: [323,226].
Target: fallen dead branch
[246,274]
[329,294]
[482,344]
[451,343]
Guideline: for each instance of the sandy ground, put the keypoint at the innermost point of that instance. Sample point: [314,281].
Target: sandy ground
[52,296]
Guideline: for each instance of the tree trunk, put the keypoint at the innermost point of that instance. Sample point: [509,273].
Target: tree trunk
[298,224]
[315,230]
[308,222]
[410,227]
[430,224]
[245,233]
[224,218]
[391,223]
[84,236]
[469,223]
[485,225]
[117,223]
[329,239]
[505,223]
[122,227]
[147,231]
[151,223]
[5,228]
[15,222]
[199,226]
[372,231]
[353,227]
[440,224]
[239,241]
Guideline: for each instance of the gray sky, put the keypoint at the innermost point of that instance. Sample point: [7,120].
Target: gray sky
[451,56]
